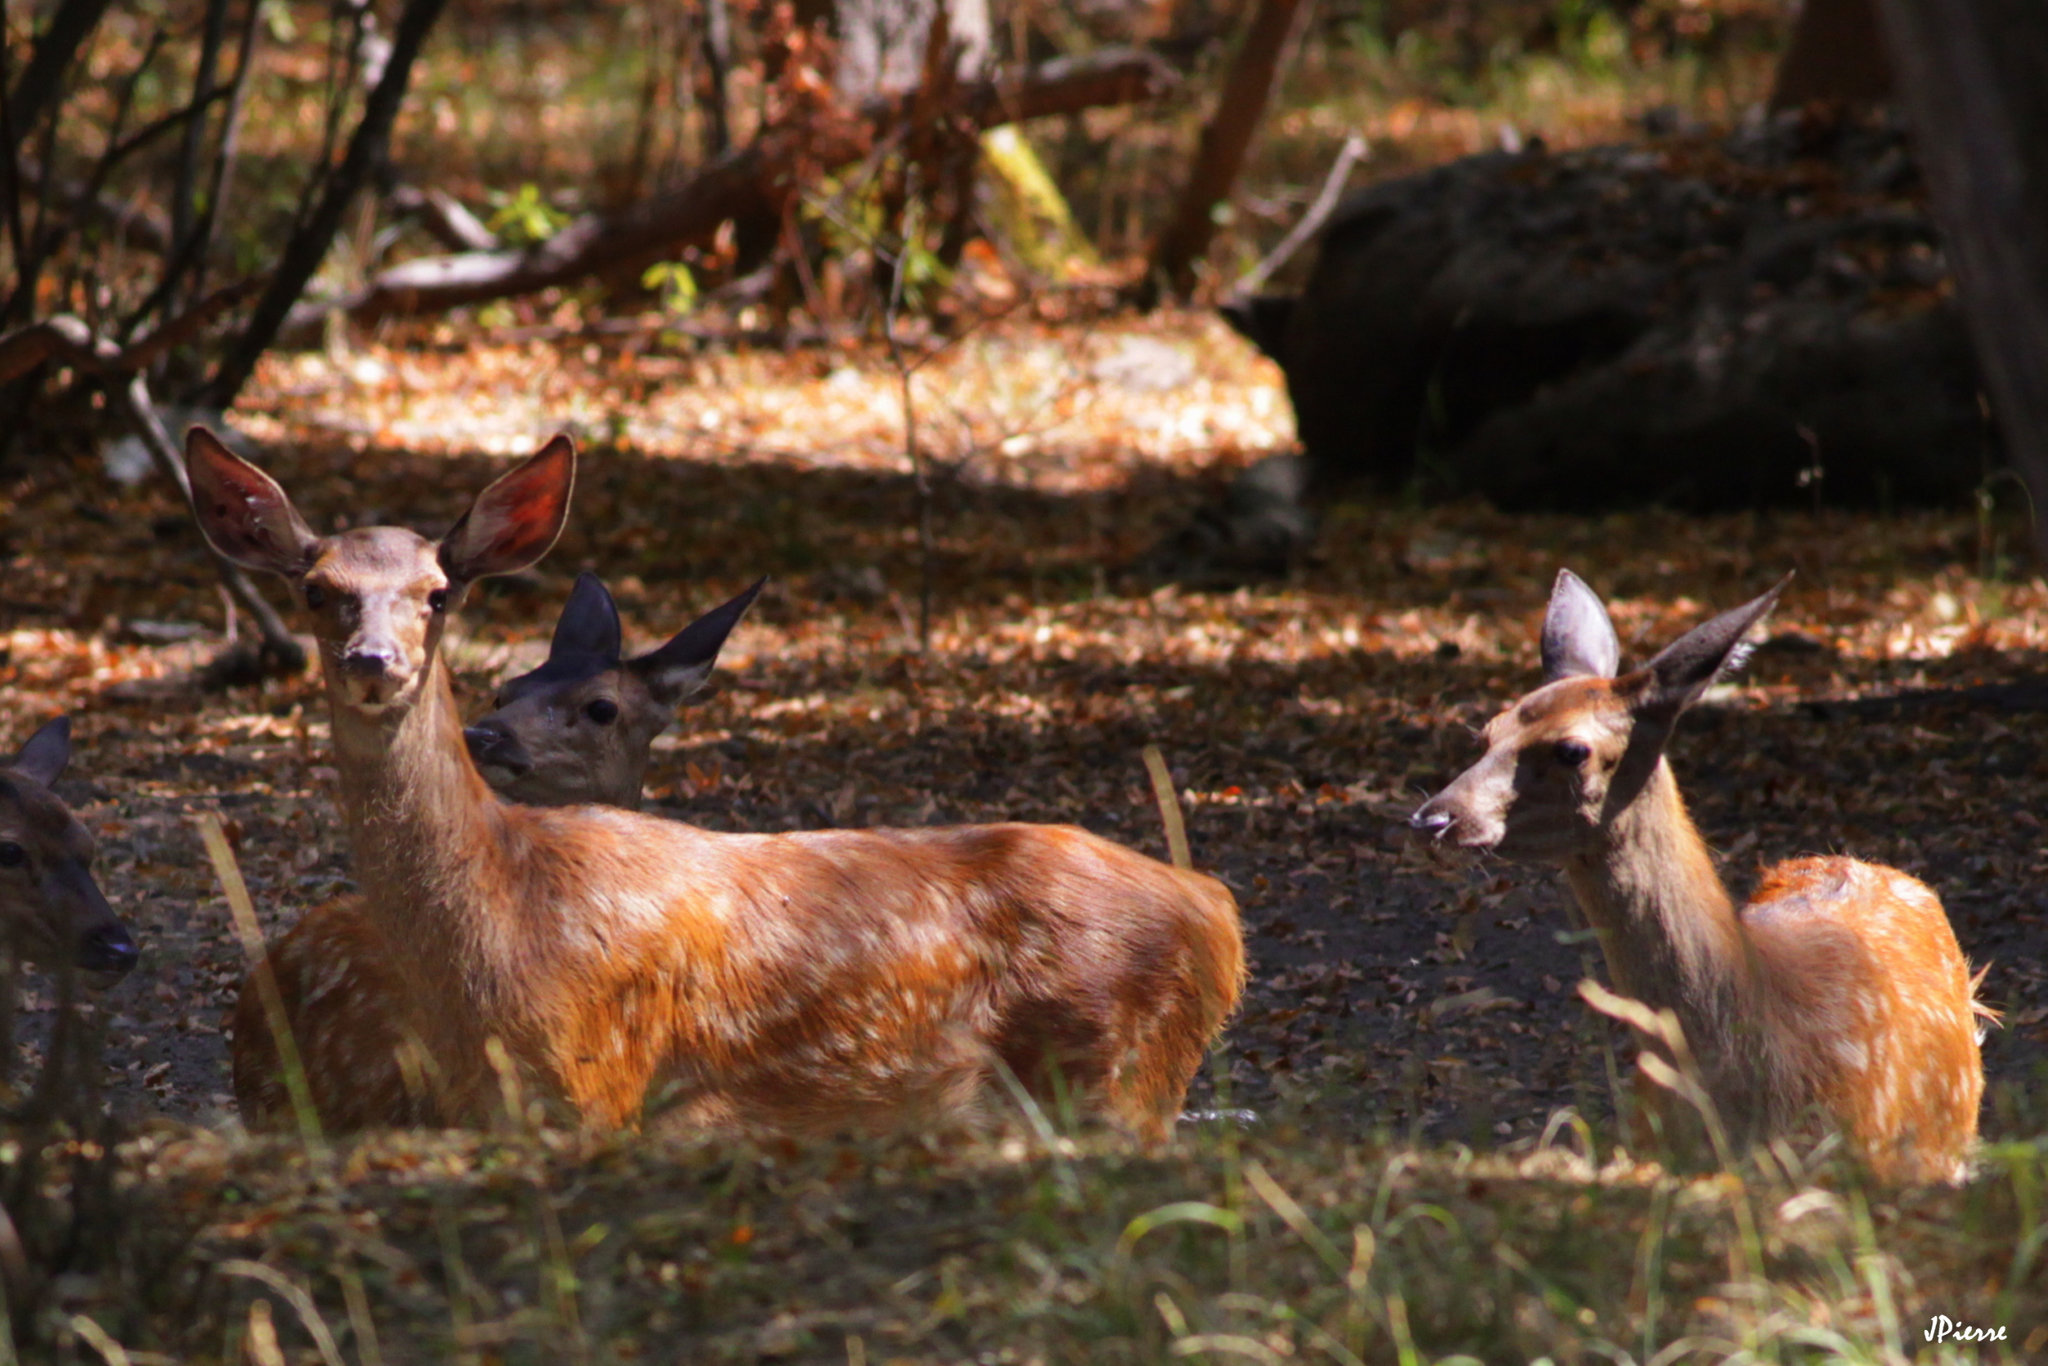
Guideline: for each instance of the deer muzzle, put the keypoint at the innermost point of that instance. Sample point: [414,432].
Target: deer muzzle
[494,749]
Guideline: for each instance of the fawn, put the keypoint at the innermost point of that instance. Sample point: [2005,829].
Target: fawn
[52,909]
[575,731]
[1839,987]
[791,983]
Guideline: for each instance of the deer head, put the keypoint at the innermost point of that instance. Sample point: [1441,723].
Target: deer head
[49,904]
[577,729]
[1564,762]
[379,597]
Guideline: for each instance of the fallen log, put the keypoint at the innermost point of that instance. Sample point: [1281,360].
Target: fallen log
[68,341]
[750,181]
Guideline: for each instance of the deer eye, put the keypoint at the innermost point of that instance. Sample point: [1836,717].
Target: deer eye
[12,855]
[1573,753]
[316,596]
[438,599]
[604,711]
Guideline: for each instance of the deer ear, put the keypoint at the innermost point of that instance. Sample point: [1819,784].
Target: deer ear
[1578,637]
[1689,665]
[242,512]
[46,752]
[589,624]
[516,520]
[680,667]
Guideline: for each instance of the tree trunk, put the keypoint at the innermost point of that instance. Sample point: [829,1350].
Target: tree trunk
[1220,155]
[1974,74]
[718,64]
[308,247]
[40,81]
[1836,53]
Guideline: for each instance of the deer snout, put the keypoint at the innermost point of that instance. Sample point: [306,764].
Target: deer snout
[108,949]
[1452,815]
[493,746]
[371,662]
[1431,819]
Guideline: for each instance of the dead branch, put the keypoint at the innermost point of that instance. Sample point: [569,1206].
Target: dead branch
[68,341]
[310,240]
[1311,222]
[1220,153]
[280,653]
[446,219]
[750,181]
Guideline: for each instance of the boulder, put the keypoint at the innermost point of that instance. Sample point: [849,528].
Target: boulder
[1697,321]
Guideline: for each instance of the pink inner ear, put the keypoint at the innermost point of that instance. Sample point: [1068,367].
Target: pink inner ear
[529,520]
[244,512]
[516,519]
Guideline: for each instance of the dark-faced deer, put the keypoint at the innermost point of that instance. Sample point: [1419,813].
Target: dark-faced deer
[1839,988]
[50,907]
[575,731]
[793,983]
[579,728]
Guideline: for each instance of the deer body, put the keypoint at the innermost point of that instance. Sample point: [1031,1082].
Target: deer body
[1839,988]
[791,982]
[575,731]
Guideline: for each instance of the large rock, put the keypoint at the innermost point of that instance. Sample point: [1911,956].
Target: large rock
[1693,321]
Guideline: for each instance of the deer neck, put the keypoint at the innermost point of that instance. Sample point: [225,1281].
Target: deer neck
[429,843]
[1663,916]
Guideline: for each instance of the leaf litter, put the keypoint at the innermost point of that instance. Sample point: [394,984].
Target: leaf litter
[1396,995]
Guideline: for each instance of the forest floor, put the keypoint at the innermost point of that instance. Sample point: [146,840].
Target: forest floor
[1401,1001]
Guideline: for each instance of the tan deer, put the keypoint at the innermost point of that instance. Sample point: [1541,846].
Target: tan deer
[1839,988]
[575,731]
[50,908]
[793,983]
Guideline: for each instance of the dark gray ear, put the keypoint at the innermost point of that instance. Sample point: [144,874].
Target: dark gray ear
[46,752]
[1578,638]
[589,624]
[1688,666]
[680,667]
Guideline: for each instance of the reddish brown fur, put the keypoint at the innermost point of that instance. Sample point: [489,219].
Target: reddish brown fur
[1881,1020]
[344,1011]
[793,983]
[1839,988]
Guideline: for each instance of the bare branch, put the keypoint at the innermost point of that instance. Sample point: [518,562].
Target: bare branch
[1311,222]
[749,181]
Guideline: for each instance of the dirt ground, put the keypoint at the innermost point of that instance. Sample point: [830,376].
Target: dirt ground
[1393,989]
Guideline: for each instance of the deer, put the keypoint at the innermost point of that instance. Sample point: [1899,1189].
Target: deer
[575,731]
[616,963]
[52,910]
[1839,989]
[579,728]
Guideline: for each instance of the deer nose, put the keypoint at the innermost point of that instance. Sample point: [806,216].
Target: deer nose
[108,949]
[1431,819]
[493,746]
[371,661]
